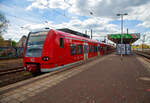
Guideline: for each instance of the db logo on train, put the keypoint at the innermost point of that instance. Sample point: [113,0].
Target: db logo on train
[32,59]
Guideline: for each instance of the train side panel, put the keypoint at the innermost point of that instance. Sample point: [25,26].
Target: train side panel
[60,50]
[48,51]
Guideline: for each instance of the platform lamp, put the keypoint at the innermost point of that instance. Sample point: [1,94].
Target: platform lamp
[121,15]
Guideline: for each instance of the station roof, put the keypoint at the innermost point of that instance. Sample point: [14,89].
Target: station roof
[127,38]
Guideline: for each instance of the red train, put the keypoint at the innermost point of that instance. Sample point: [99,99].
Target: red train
[51,50]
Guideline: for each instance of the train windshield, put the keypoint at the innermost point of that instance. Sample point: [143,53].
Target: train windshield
[34,44]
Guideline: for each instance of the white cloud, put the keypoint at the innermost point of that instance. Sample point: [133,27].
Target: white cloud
[14,33]
[31,27]
[103,12]
[104,8]
[146,39]
[145,24]
[58,4]
[43,4]
[100,8]
[141,13]
[99,28]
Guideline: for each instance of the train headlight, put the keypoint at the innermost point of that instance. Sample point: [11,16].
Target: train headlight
[45,58]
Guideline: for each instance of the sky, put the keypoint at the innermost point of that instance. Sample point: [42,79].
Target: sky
[79,15]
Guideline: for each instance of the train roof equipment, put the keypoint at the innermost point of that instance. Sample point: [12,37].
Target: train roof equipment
[74,32]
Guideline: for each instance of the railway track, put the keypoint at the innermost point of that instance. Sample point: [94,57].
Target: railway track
[10,71]
[10,76]
[145,55]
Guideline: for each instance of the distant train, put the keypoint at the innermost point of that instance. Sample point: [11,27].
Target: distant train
[50,50]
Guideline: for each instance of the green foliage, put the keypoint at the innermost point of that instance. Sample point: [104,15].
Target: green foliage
[141,46]
[134,46]
[14,44]
[1,38]
[3,23]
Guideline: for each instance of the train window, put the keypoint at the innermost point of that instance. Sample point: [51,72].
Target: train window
[90,49]
[61,42]
[101,48]
[35,44]
[107,48]
[80,49]
[95,48]
[73,49]
[98,48]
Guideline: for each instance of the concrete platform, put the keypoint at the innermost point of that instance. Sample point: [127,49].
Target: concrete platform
[107,79]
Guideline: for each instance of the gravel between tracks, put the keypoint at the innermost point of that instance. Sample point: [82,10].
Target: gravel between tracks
[11,63]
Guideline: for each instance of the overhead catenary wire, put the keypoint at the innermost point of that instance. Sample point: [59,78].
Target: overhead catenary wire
[22,18]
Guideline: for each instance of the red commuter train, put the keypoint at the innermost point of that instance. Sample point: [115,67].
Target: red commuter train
[50,50]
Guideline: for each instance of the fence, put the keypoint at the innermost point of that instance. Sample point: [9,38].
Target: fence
[11,52]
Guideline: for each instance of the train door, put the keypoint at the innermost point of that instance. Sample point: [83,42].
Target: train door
[85,51]
[61,55]
[98,49]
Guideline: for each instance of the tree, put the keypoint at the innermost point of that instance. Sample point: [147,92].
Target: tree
[3,23]
[14,44]
[1,38]
[1,41]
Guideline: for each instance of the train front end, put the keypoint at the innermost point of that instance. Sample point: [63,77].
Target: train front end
[33,51]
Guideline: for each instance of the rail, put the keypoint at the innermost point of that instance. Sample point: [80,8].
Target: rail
[10,71]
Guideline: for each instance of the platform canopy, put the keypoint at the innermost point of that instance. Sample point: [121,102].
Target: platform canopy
[127,38]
